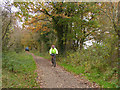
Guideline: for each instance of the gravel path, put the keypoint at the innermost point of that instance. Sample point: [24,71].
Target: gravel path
[57,77]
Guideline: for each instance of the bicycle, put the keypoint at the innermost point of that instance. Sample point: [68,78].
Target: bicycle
[53,60]
[27,49]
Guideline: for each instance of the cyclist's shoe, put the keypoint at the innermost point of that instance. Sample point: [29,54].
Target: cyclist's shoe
[55,65]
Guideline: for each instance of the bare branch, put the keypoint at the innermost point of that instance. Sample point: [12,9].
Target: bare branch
[39,20]
[106,14]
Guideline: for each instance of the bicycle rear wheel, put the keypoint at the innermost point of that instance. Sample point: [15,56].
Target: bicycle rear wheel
[54,62]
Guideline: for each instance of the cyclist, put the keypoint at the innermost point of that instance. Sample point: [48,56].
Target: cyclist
[26,49]
[53,51]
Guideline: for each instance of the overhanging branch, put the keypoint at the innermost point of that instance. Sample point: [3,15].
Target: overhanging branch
[39,20]
[106,14]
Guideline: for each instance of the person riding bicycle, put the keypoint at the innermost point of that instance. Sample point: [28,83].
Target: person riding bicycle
[26,49]
[53,51]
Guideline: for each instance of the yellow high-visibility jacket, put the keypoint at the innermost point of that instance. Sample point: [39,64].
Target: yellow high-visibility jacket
[53,51]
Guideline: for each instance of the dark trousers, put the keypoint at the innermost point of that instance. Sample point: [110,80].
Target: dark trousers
[53,60]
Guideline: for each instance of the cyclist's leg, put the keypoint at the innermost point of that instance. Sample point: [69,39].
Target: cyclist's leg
[54,60]
[51,58]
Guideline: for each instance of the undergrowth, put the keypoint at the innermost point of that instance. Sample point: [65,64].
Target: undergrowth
[18,70]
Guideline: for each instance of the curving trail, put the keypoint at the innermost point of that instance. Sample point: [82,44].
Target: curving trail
[57,77]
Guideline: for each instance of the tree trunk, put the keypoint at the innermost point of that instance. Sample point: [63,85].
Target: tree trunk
[61,46]
[59,27]
[66,31]
[119,36]
[77,43]
[81,41]
[119,19]
[70,41]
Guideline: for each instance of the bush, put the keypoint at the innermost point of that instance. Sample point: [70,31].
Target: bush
[96,60]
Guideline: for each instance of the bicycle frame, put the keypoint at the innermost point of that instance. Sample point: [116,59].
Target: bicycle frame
[53,61]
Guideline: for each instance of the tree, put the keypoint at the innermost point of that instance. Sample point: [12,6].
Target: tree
[74,23]
[119,37]
[6,23]
[118,21]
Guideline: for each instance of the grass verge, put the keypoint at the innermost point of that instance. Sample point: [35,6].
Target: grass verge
[93,77]
[18,70]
